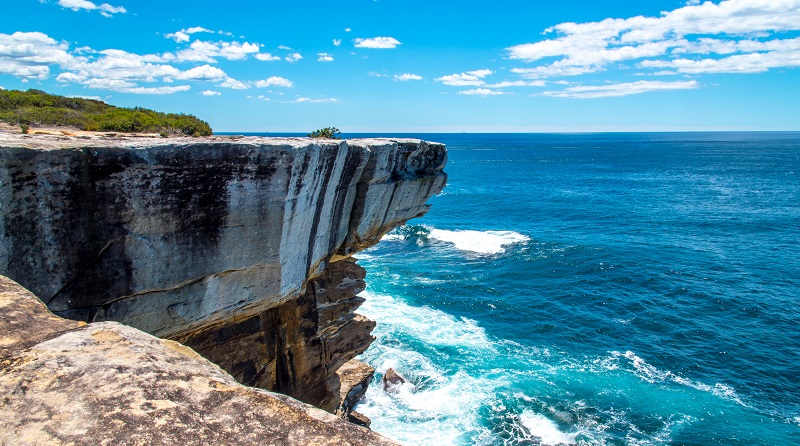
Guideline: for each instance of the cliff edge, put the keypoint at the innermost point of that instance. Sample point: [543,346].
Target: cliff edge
[238,247]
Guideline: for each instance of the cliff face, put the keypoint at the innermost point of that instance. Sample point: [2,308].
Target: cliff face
[238,247]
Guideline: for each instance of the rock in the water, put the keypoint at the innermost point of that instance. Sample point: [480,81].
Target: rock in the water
[391,381]
[354,377]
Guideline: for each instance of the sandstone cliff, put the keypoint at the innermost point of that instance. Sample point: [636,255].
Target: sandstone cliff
[238,247]
[66,382]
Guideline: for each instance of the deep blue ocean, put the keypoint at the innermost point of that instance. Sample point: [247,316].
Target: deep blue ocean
[595,289]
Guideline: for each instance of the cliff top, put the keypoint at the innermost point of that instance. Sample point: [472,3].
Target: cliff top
[105,140]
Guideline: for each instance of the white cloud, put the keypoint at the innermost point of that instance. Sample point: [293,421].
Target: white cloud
[203,51]
[337,42]
[284,47]
[481,92]
[234,84]
[377,43]
[505,84]
[377,74]
[347,30]
[267,57]
[105,9]
[292,58]
[309,100]
[210,93]
[729,27]
[468,79]
[155,90]
[407,77]
[324,57]
[274,81]
[624,89]
[30,55]
[183,35]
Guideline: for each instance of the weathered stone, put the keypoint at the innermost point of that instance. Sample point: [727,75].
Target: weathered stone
[354,377]
[391,381]
[359,419]
[108,384]
[236,246]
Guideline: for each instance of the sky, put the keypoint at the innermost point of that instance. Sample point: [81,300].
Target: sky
[419,66]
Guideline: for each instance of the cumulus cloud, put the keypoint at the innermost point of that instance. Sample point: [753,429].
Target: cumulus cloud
[203,51]
[184,34]
[743,31]
[623,89]
[324,57]
[210,93]
[34,55]
[377,43]
[292,58]
[274,81]
[407,77]
[481,92]
[468,79]
[337,42]
[104,8]
[267,57]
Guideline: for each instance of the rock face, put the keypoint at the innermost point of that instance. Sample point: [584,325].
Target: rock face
[238,247]
[66,382]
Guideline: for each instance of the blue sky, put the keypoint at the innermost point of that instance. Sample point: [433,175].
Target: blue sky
[420,66]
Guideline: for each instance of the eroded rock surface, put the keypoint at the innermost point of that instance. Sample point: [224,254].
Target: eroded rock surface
[236,246]
[68,383]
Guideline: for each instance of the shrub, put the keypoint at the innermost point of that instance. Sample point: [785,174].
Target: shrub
[35,107]
[24,128]
[327,132]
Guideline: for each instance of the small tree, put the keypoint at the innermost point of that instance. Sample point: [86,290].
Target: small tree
[24,127]
[327,132]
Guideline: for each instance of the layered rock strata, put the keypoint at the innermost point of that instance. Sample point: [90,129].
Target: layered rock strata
[238,247]
[68,383]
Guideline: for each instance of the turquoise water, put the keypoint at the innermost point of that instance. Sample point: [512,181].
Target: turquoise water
[625,289]
[619,289]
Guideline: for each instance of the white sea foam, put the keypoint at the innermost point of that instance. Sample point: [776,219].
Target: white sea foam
[480,242]
[653,374]
[545,429]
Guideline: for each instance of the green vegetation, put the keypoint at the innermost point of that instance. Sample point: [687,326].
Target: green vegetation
[37,108]
[327,132]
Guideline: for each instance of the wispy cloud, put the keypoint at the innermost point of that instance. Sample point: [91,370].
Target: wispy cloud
[709,29]
[468,79]
[210,93]
[482,92]
[184,35]
[624,89]
[105,9]
[377,43]
[310,100]
[407,77]
[324,57]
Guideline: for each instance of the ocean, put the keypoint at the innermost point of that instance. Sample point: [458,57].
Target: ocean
[594,289]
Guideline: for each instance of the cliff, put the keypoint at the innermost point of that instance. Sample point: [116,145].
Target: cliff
[237,247]
[66,382]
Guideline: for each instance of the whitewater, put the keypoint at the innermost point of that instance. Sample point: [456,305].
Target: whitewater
[620,289]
